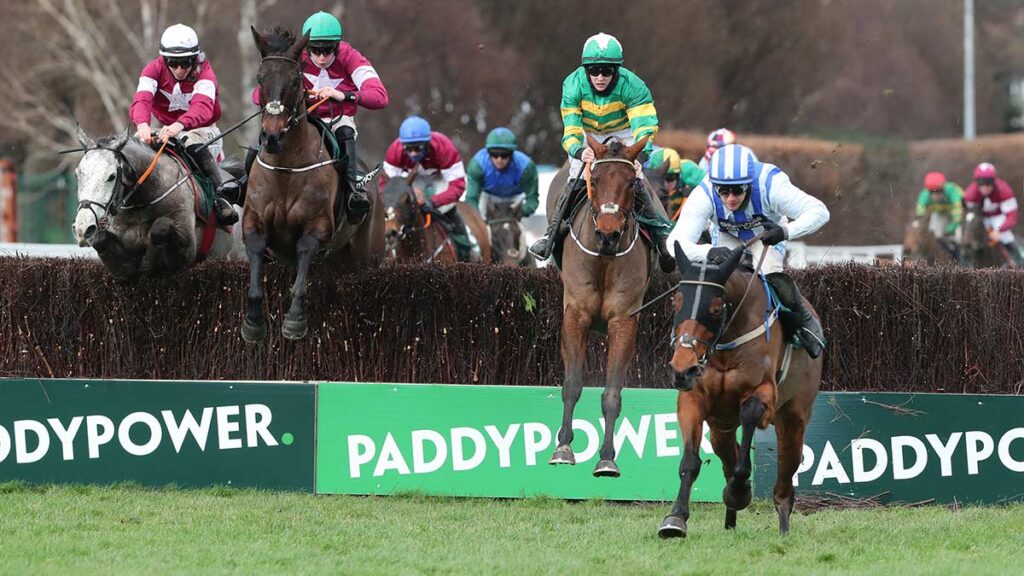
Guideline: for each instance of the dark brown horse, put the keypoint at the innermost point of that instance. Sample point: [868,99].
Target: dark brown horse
[411,237]
[508,241]
[604,269]
[731,373]
[294,202]
[978,251]
[921,246]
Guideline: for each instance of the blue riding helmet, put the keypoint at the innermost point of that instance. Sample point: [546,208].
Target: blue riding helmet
[414,129]
[732,164]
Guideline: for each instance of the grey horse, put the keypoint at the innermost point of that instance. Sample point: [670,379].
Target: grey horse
[141,229]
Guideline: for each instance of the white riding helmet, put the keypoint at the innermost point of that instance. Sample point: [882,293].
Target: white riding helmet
[179,41]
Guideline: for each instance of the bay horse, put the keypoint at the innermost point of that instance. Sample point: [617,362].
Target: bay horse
[977,250]
[508,241]
[411,237]
[921,245]
[604,271]
[294,201]
[143,228]
[732,371]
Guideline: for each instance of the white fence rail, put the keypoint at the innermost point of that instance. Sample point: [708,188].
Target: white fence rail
[803,255]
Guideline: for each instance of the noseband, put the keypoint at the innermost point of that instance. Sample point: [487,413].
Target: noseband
[276,108]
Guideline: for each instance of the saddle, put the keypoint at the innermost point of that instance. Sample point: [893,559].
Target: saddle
[204,194]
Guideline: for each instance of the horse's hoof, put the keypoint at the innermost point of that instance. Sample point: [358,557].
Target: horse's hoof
[730,518]
[294,329]
[562,455]
[606,469]
[254,333]
[672,527]
[734,500]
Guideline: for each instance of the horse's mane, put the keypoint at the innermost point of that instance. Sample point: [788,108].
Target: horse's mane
[278,39]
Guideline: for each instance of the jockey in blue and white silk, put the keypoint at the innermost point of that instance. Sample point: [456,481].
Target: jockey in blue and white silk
[771,197]
[762,199]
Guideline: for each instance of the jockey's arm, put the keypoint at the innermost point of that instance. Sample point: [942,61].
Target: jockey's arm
[806,213]
[474,183]
[924,200]
[392,162]
[572,118]
[693,220]
[1007,205]
[456,179]
[142,103]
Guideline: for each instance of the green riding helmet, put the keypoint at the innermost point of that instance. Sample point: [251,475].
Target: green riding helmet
[502,139]
[602,49]
[322,27]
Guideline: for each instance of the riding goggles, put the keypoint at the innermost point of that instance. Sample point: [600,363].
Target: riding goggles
[186,63]
[503,154]
[725,190]
[601,70]
[322,49]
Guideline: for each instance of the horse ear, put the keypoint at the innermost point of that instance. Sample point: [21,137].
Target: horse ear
[119,142]
[84,138]
[298,46]
[633,151]
[681,261]
[261,42]
[726,269]
[599,149]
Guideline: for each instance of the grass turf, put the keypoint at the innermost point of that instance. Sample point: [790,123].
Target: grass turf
[126,529]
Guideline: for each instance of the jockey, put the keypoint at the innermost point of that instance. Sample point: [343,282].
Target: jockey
[603,99]
[432,154]
[740,198]
[681,176]
[501,171]
[716,140]
[334,69]
[998,205]
[180,89]
[942,201]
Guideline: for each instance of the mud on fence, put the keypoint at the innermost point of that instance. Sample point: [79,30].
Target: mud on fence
[896,329]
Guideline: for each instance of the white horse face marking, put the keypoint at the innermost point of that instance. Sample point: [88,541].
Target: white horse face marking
[97,179]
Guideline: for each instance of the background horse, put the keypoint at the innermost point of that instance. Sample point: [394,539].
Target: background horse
[603,273]
[662,188]
[728,372]
[294,205]
[408,238]
[921,246]
[508,241]
[147,228]
[977,251]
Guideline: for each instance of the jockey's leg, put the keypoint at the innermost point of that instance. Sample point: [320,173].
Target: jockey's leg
[358,204]
[541,249]
[208,163]
[243,182]
[809,330]
[456,228]
[643,205]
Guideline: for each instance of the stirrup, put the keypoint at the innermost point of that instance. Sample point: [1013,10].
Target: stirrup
[540,249]
[226,214]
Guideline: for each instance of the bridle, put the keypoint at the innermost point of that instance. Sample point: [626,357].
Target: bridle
[126,185]
[276,108]
[609,208]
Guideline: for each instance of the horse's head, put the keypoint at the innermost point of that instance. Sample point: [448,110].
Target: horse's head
[506,231]
[975,235]
[613,183]
[282,97]
[401,211]
[701,313]
[104,175]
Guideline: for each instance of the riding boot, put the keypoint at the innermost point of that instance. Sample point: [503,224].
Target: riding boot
[243,182]
[226,215]
[541,249]
[458,233]
[642,205]
[806,326]
[358,204]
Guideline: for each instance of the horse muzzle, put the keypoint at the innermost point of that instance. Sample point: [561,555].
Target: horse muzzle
[85,228]
[685,380]
[608,242]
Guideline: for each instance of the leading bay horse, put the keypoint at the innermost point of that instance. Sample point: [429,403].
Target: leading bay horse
[294,202]
[604,271]
[142,225]
[731,371]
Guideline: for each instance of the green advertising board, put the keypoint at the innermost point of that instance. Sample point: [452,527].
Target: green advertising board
[907,447]
[495,441]
[158,432]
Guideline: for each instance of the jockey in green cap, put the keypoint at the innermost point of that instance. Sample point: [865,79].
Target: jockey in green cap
[604,99]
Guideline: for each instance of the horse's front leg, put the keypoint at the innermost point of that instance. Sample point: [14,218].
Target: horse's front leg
[621,347]
[254,327]
[174,250]
[691,414]
[753,413]
[575,327]
[295,324]
[121,262]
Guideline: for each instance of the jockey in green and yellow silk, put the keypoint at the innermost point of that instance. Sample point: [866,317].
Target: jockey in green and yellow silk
[942,201]
[604,99]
